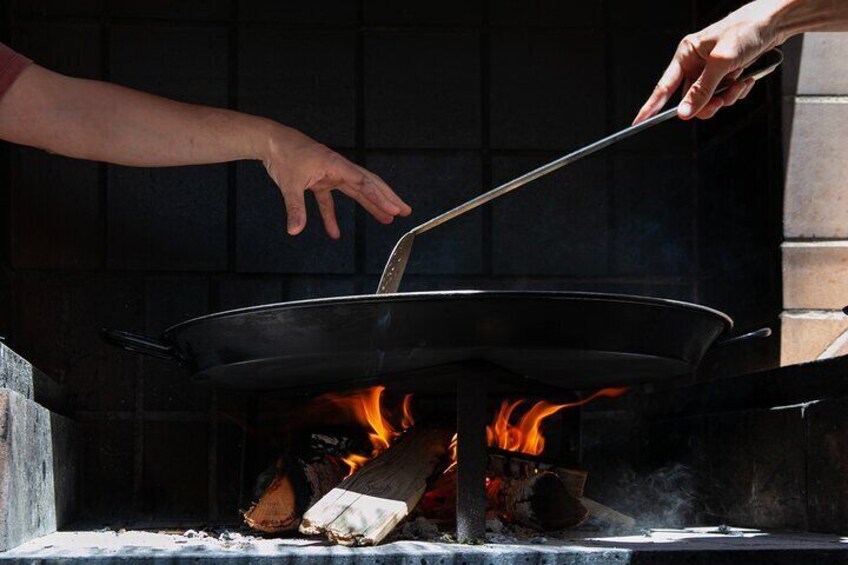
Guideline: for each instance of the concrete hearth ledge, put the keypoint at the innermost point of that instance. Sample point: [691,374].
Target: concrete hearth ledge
[16,373]
[37,469]
[702,546]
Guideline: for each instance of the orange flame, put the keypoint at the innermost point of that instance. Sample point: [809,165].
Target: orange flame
[526,436]
[365,408]
[354,461]
[408,421]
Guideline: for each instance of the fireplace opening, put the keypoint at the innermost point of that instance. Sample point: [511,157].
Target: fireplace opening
[341,451]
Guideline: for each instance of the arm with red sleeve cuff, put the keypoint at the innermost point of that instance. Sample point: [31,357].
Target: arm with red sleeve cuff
[95,120]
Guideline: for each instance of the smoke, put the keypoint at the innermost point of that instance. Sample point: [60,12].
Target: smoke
[664,497]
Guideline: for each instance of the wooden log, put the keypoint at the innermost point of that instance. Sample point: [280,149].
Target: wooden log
[537,500]
[540,501]
[294,483]
[509,464]
[607,514]
[365,507]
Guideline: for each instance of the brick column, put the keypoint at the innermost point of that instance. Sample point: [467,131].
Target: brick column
[815,248]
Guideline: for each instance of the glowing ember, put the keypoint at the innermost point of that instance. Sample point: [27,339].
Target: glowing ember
[452,452]
[365,408]
[526,436]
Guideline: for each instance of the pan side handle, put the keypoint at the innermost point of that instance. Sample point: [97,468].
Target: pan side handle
[756,334]
[139,344]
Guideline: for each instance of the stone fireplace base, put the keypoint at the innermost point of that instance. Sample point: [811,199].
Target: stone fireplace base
[704,546]
[38,460]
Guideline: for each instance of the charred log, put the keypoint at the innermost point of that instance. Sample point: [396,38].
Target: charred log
[540,501]
[510,464]
[294,483]
[519,492]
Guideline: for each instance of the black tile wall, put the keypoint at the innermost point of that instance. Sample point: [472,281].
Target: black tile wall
[422,89]
[547,89]
[559,225]
[304,287]
[107,470]
[243,292]
[708,11]
[653,213]
[444,100]
[650,15]
[167,219]
[169,301]
[57,7]
[57,217]
[229,462]
[757,468]
[737,204]
[188,64]
[303,79]
[544,13]
[81,55]
[173,9]
[57,321]
[420,13]
[826,466]
[173,453]
[317,12]
[431,183]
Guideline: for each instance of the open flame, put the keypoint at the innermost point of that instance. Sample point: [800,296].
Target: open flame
[365,407]
[526,436]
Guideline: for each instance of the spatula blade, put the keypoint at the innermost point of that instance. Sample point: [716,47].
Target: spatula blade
[396,265]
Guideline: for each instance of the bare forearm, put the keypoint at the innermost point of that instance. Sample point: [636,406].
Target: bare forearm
[105,122]
[791,17]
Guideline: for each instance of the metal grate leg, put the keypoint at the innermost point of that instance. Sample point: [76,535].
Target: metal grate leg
[471,457]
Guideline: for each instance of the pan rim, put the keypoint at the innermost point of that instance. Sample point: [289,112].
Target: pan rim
[459,293]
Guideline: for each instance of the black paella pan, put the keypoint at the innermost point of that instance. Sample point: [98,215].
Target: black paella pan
[567,339]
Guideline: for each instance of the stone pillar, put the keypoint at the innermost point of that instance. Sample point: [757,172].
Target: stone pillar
[38,458]
[815,248]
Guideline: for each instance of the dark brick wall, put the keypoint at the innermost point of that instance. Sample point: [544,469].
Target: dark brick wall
[444,100]
[762,450]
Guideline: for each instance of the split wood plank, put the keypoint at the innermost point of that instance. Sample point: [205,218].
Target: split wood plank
[365,507]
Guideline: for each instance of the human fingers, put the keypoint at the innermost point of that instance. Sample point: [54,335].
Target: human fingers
[363,182]
[369,206]
[665,88]
[701,92]
[732,94]
[405,209]
[295,210]
[749,84]
[327,208]
[710,110]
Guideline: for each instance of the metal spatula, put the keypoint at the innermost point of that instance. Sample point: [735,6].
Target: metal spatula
[396,265]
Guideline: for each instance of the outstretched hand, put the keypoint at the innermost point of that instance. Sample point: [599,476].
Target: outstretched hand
[707,58]
[298,163]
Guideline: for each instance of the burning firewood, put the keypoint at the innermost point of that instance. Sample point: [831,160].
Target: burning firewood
[366,506]
[294,483]
[540,501]
[509,464]
[535,499]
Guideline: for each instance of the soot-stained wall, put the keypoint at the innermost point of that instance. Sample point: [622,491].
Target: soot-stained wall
[442,99]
